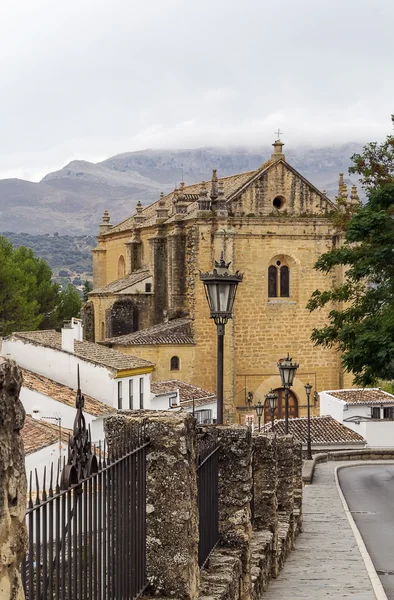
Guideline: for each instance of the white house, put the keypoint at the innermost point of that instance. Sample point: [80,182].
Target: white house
[116,379]
[178,394]
[368,411]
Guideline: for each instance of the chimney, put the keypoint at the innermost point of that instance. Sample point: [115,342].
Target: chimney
[71,331]
[68,338]
[35,413]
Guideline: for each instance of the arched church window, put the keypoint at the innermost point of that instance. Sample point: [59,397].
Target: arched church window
[121,266]
[278,280]
[284,281]
[272,281]
[174,363]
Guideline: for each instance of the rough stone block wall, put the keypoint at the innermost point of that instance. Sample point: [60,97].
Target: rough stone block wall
[87,316]
[13,535]
[172,513]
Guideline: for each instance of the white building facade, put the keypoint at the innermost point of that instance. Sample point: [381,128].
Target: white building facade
[368,411]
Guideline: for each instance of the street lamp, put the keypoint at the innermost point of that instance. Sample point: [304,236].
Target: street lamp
[259,411]
[287,370]
[272,398]
[220,288]
[308,389]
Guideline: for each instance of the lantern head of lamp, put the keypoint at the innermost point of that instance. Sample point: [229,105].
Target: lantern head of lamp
[259,409]
[220,289]
[272,398]
[287,371]
[308,388]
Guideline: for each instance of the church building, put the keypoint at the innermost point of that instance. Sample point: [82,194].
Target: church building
[148,301]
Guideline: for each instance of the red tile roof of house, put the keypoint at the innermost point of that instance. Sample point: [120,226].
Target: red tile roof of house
[363,396]
[324,430]
[38,434]
[64,394]
[187,392]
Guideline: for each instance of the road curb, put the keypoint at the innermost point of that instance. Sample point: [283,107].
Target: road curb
[372,574]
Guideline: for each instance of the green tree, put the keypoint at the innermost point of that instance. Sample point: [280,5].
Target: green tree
[18,309]
[38,278]
[86,289]
[69,305]
[361,320]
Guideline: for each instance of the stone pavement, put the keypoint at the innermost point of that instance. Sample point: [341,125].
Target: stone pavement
[326,562]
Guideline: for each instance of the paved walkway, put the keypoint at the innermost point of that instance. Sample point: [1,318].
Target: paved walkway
[326,562]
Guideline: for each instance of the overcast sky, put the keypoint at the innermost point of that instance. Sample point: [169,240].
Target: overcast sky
[91,78]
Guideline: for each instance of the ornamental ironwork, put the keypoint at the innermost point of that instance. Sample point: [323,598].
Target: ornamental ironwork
[81,462]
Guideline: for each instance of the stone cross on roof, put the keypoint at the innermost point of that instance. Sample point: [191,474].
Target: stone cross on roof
[278,133]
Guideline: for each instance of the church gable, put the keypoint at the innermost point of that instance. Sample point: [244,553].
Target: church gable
[277,188]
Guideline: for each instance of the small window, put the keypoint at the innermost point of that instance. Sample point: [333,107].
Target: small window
[388,413]
[278,202]
[120,388]
[131,393]
[174,365]
[284,282]
[121,266]
[278,281]
[272,285]
[141,392]
[148,288]
[375,413]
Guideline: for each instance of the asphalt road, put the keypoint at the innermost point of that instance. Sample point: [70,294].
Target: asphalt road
[369,492]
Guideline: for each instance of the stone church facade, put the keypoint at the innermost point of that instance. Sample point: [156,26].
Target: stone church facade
[272,224]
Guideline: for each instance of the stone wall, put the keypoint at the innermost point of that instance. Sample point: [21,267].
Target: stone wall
[13,535]
[247,557]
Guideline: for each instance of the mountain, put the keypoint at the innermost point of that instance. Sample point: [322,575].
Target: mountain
[73,199]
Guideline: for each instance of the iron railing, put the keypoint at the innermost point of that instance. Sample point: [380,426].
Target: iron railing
[208,509]
[252,493]
[87,531]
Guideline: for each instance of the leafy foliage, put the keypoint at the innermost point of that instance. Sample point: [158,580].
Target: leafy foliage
[29,299]
[361,322]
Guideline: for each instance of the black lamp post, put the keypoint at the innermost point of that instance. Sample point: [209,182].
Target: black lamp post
[272,398]
[308,389]
[287,370]
[259,411]
[220,289]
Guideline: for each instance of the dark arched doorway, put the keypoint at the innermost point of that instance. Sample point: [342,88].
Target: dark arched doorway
[280,406]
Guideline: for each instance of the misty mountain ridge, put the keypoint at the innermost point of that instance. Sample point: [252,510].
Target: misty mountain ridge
[73,199]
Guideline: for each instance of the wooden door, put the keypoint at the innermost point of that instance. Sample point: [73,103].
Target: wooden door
[280,406]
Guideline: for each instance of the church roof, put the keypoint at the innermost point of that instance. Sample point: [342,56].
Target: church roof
[120,285]
[233,185]
[177,331]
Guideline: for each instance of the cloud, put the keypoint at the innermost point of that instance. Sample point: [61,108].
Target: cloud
[90,79]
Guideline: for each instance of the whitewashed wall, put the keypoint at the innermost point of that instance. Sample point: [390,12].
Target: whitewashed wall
[96,381]
[332,406]
[378,434]
[48,407]
[41,459]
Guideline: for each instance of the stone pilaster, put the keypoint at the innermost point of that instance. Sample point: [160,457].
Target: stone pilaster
[235,494]
[13,535]
[176,243]
[171,496]
[265,483]
[159,255]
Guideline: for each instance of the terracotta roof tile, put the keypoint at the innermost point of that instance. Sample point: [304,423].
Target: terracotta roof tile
[363,396]
[38,434]
[89,351]
[177,331]
[62,393]
[324,430]
[187,392]
[121,284]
